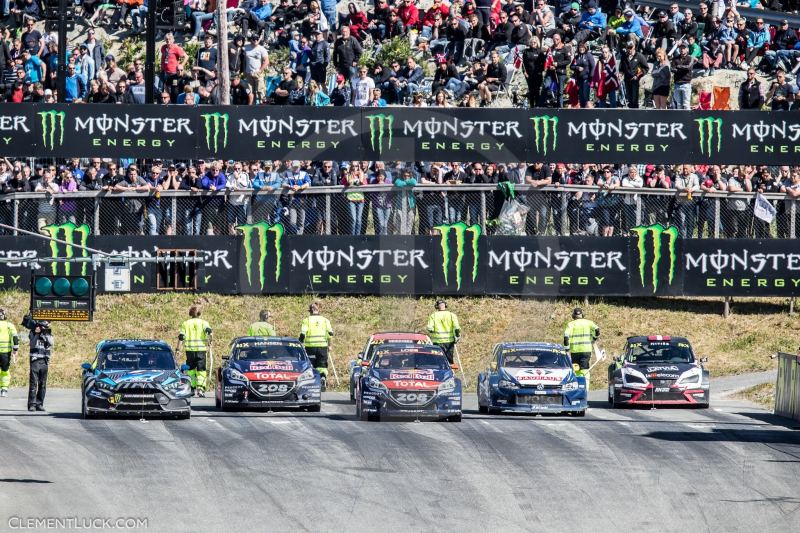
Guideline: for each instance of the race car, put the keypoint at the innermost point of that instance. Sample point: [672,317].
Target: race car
[268,372]
[135,377]
[658,370]
[379,339]
[408,380]
[531,377]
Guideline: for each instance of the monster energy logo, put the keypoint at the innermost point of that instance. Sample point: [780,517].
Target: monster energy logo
[545,128]
[460,230]
[656,231]
[380,125]
[262,230]
[709,128]
[52,121]
[212,123]
[72,235]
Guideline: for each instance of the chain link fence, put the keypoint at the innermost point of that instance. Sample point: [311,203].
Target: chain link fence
[387,210]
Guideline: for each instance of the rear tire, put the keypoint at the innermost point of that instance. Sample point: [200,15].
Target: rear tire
[483,409]
[493,410]
[184,416]
[85,413]
[454,418]
[314,408]
[579,413]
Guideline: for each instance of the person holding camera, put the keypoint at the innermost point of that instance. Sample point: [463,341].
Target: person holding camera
[41,345]
[9,345]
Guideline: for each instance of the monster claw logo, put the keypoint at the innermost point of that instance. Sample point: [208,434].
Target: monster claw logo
[380,125]
[72,235]
[262,231]
[52,121]
[545,128]
[212,123]
[656,232]
[709,128]
[459,229]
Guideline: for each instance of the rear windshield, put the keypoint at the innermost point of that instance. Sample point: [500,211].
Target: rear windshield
[660,352]
[535,358]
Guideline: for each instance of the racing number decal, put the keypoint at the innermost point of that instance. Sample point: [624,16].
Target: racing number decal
[273,388]
[412,397]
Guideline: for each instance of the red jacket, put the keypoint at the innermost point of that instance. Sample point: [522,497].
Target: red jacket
[408,15]
[430,15]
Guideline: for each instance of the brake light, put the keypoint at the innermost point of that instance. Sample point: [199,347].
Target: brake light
[658,338]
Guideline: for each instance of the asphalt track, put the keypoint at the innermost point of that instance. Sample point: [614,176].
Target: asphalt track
[730,468]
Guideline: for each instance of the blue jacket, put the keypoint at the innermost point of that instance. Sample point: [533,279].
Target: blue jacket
[631,26]
[598,20]
[75,88]
[263,12]
[757,39]
[219,181]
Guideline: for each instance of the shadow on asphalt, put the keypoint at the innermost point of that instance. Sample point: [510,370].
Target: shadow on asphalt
[728,435]
[12,480]
[772,419]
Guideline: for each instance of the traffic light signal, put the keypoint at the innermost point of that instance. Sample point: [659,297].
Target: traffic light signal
[62,298]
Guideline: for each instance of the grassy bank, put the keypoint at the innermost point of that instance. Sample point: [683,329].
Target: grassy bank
[763,395]
[735,345]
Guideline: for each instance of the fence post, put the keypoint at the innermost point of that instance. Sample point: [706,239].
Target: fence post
[717,217]
[793,221]
[16,215]
[565,230]
[174,222]
[638,205]
[328,214]
[483,212]
[96,214]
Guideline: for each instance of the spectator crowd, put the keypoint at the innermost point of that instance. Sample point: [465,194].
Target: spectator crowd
[411,52]
[217,196]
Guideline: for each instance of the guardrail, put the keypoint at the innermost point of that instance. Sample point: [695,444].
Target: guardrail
[385,209]
[787,388]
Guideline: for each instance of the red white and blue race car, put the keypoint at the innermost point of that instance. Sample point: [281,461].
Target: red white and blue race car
[268,372]
[408,381]
[380,339]
[658,370]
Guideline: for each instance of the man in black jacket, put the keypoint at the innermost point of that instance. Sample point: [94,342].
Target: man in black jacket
[751,93]
[320,57]
[346,52]
[41,345]
[682,77]
[533,66]
[663,34]
[633,66]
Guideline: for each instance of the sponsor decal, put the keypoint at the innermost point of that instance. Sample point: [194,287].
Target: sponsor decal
[271,365]
[709,131]
[72,235]
[545,133]
[273,388]
[261,231]
[413,397]
[460,230]
[418,374]
[271,376]
[410,384]
[216,128]
[663,369]
[380,129]
[655,259]
[52,127]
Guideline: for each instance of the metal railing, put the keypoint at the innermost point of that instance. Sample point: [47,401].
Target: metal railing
[382,209]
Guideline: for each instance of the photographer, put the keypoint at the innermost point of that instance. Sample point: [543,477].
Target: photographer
[41,344]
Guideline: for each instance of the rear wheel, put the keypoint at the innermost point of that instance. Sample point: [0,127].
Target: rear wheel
[184,416]
[579,413]
[314,408]
[493,410]
[454,418]
[483,409]
[85,413]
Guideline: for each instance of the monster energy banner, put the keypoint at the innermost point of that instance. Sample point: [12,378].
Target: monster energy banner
[458,260]
[406,134]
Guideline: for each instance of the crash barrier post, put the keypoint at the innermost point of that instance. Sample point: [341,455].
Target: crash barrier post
[787,388]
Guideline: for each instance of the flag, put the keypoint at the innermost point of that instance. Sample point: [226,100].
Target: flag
[763,209]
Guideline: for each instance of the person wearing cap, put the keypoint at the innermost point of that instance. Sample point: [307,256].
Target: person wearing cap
[633,66]
[592,23]
[256,62]
[320,57]
[40,339]
[444,329]
[631,28]
[682,67]
[782,51]
[663,33]
[295,181]
[342,93]
[579,338]
[568,21]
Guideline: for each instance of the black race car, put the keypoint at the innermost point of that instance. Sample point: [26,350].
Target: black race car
[135,377]
[658,370]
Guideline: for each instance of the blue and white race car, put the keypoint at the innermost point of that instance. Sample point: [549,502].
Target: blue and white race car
[410,381]
[135,377]
[531,377]
[268,372]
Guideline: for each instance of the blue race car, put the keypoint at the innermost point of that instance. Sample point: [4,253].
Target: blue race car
[531,377]
[135,377]
[408,380]
[268,372]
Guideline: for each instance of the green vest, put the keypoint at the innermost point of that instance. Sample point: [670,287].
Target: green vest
[261,329]
[442,326]
[316,330]
[581,333]
[195,338]
[7,334]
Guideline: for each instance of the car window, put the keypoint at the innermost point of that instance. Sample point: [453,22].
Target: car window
[535,358]
[659,352]
[269,352]
[156,359]
[412,361]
